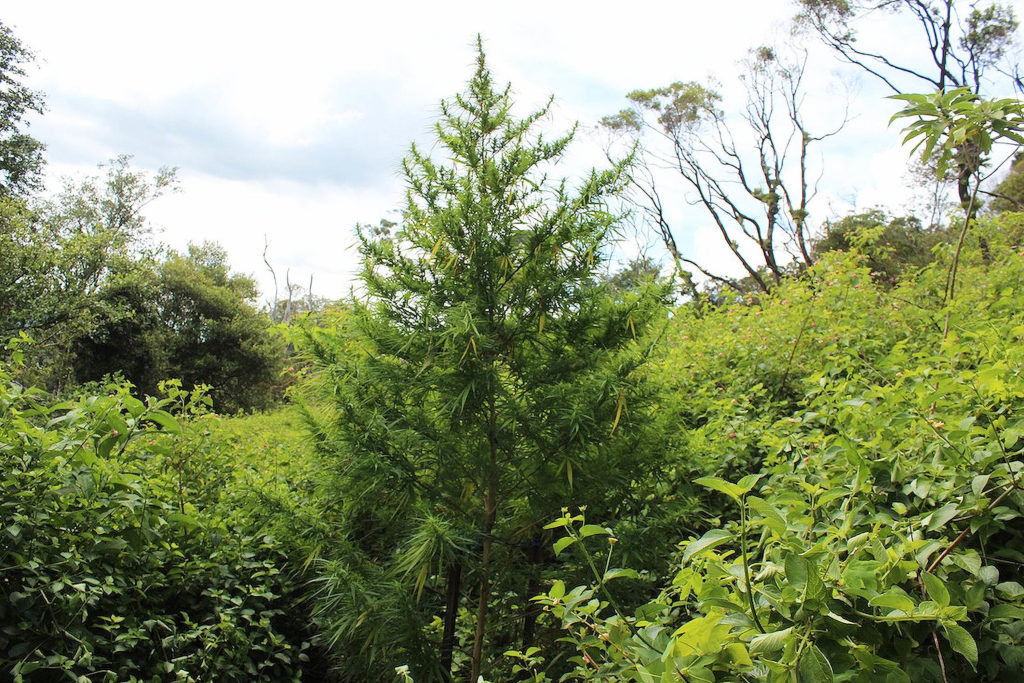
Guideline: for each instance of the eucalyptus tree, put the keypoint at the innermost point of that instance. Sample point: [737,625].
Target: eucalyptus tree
[957,46]
[491,378]
[752,174]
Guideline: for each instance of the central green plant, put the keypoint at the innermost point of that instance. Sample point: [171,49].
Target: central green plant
[491,377]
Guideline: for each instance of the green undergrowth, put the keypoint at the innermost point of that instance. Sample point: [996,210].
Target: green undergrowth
[132,546]
[858,477]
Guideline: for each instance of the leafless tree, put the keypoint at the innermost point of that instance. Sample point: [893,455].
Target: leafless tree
[754,183]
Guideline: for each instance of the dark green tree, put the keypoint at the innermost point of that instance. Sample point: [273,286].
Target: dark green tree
[894,246]
[492,379]
[21,155]
[60,255]
[187,317]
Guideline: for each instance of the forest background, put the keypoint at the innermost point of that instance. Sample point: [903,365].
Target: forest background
[512,454]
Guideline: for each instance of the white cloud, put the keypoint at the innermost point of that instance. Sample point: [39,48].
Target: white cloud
[290,120]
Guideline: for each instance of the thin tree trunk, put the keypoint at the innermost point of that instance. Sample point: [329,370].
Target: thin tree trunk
[490,507]
[451,613]
[485,592]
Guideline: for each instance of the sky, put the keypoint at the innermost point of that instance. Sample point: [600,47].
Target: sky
[288,123]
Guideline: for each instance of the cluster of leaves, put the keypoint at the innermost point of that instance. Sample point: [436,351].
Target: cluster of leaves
[876,532]
[894,246]
[80,275]
[185,316]
[487,377]
[123,555]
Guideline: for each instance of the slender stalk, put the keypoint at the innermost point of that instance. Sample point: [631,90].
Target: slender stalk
[951,277]
[450,614]
[490,507]
[746,567]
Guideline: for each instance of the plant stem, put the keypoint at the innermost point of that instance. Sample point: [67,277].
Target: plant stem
[746,567]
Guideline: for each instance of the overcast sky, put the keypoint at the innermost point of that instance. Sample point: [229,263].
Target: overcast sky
[290,120]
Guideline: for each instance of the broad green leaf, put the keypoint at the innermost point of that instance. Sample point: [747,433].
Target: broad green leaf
[770,642]
[1006,611]
[936,589]
[620,574]
[962,642]
[978,484]
[894,598]
[748,482]
[563,543]
[711,539]
[940,517]
[772,517]
[165,420]
[722,486]
[592,530]
[814,667]
[989,575]
[803,575]
[1010,590]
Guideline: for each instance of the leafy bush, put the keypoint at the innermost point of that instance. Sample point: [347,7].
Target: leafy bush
[117,562]
[870,530]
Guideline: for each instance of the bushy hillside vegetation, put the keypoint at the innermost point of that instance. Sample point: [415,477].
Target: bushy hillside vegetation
[499,461]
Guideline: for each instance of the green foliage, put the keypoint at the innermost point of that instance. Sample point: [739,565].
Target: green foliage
[188,317]
[490,378]
[879,538]
[118,561]
[959,126]
[81,277]
[679,107]
[21,155]
[894,247]
[62,254]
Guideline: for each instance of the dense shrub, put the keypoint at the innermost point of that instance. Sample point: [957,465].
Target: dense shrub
[119,559]
[876,533]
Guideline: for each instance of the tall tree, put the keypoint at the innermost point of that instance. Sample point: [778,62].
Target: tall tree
[956,49]
[958,46]
[754,181]
[64,252]
[21,155]
[497,379]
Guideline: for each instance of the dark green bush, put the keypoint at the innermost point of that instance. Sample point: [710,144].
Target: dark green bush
[117,562]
